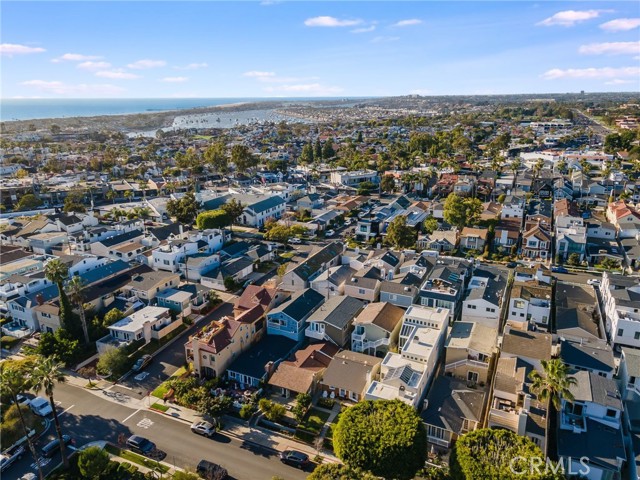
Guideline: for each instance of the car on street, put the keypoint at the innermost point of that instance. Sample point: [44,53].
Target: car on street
[22,400]
[50,449]
[10,455]
[295,241]
[347,221]
[512,265]
[593,281]
[211,471]
[40,407]
[141,445]
[203,428]
[295,458]
[559,270]
[142,362]
[329,233]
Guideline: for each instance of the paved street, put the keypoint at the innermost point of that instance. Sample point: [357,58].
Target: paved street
[577,277]
[88,418]
[169,360]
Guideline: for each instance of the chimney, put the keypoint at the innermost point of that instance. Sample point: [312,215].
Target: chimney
[40,299]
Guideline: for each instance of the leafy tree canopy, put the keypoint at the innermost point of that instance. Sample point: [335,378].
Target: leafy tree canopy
[336,471]
[213,219]
[384,437]
[399,234]
[459,211]
[28,202]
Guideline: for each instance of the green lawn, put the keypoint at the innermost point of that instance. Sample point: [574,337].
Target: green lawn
[265,267]
[163,388]
[314,420]
[135,458]
[159,406]
[288,255]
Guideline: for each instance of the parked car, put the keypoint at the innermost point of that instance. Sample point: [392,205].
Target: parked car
[329,233]
[295,241]
[142,362]
[10,455]
[559,270]
[203,428]
[22,400]
[40,407]
[593,281]
[512,265]
[50,449]
[140,444]
[295,458]
[211,471]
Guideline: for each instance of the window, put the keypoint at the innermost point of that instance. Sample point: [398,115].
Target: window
[518,304]
[545,319]
[472,307]
[472,376]
[611,413]
[636,336]
[435,432]
[492,310]
[361,291]
[620,332]
[513,314]
[632,380]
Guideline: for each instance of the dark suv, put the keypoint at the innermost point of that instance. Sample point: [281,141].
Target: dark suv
[294,458]
[141,445]
[211,471]
[50,449]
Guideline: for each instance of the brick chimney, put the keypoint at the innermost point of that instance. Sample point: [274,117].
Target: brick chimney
[40,299]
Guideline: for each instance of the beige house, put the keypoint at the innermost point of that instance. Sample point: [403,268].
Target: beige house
[473,238]
[349,374]
[469,350]
[215,347]
[48,317]
[364,285]
[147,285]
[377,329]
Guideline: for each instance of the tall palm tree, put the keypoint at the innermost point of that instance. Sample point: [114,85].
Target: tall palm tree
[45,375]
[554,383]
[75,286]
[56,272]
[13,381]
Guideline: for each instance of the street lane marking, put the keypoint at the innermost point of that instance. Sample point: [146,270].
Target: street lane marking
[131,415]
[66,410]
[145,423]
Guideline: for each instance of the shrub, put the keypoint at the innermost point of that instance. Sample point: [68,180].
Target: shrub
[273,411]
[247,410]
[8,342]
[327,403]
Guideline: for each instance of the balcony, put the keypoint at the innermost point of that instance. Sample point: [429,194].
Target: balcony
[469,362]
[509,419]
[573,422]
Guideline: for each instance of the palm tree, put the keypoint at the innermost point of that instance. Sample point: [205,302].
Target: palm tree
[13,382]
[110,195]
[56,272]
[554,383]
[128,194]
[45,375]
[76,295]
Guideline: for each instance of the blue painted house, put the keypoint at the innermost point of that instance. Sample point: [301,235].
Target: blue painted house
[290,318]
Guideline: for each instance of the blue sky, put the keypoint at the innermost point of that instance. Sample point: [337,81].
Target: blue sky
[305,49]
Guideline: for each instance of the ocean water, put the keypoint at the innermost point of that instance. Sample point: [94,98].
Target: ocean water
[29,109]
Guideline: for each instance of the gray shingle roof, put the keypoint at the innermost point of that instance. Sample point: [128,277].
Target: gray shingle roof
[337,311]
[300,305]
[315,262]
[450,402]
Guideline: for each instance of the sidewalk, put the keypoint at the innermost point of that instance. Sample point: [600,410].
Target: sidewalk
[232,426]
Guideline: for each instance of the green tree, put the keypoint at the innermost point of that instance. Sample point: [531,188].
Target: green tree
[303,401]
[74,202]
[112,316]
[388,184]
[185,209]
[242,157]
[76,294]
[110,195]
[384,437]
[430,224]
[28,202]
[399,234]
[553,383]
[216,156]
[459,211]
[182,475]
[22,173]
[328,150]
[273,411]
[59,344]
[45,375]
[13,381]
[57,272]
[365,188]
[573,260]
[213,219]
[496,453]
[282,269]
[501,198]
[336,471]
[128,194]
[561,166]
[92,462]
[214,406]
[278,233]
[317,151]
[113,362]
[306,157]
[234,209]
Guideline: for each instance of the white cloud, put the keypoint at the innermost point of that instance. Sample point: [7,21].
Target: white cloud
[10,49]
[94,65]
[611,48]
[314,89]
[618,81]
[60,88]
[407,23]
[384,39]
[325,21]
[174,79]
[605,72]
[146,63]
[370,28]
[75,57]
[117,74]
[258,74]
[569,18]
[621,24]
[192,66]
